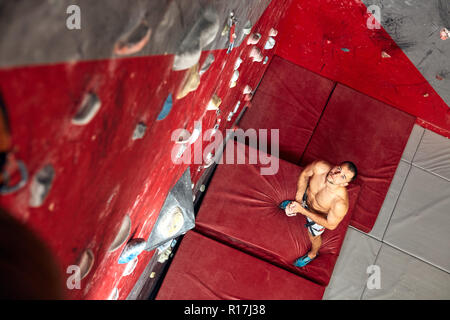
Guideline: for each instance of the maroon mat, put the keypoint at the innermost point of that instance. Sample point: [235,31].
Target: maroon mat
[241,208]
[290,99]
[368,132]
[204,269]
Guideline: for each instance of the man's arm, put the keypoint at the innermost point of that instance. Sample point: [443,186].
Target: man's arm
[302,183]
[332,220]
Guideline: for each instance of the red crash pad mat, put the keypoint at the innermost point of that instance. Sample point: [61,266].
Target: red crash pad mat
[204,269]
[290,99]
[241,208]
[369,133]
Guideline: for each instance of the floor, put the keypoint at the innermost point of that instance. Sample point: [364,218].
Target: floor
[406,255]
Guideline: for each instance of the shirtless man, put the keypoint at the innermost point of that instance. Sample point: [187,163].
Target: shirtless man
[323,199]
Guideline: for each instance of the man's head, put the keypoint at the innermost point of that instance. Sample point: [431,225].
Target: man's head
[342,174]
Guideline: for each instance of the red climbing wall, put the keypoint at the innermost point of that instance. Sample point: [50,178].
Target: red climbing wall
[331,38]
[101,174]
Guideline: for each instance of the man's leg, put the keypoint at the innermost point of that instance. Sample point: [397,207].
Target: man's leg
[316,242]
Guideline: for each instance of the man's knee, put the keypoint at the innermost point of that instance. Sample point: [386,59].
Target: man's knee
[314,238]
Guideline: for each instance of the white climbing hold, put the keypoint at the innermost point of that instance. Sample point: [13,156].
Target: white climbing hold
[247,89]
[234,79]
[85,263]
[122,234]
[256,54]
[273,32]
[247,28]
[139,131]
[237,64]
[270,43]
[130,267]
[202,34]
[254,38]
[236,108]
[266,59]
[41,185]
[88,109]
[171,223]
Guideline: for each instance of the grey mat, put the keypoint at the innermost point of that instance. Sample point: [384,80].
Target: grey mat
[405,277]
[413,143]
[420,223]
[350,274]
[390,200]
[433,154]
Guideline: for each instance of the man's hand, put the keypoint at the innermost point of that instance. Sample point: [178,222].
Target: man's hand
[293,208]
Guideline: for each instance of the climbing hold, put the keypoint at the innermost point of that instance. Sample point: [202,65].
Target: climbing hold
[256,54]
[132,250]
[237,64]
[5,188]
[385,55]
[254,38]
[445,34]
[134,41]
[190,83]
[248,97]
[88,109]
[234,79]
[130,267]
[85,262]
[214,103]
[152,275]
[247,89]
[273,32]
[203,32]
[345,49]
[166,108]
[236,108]
[426,95]
[41,185]
[185,137]
[235,76]
[247,28]
[266,59]
[270,43]
[171,223]
[122,234]
[202,188]
[139,131]
[208,62]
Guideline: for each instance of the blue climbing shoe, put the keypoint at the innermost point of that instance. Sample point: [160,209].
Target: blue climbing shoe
[303,261]
[284,204]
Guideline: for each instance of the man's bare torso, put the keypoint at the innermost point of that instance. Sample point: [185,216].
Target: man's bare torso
[320,197]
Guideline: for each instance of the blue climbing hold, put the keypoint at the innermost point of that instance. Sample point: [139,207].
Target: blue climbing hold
[166,108]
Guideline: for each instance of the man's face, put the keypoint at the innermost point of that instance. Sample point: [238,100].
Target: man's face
[339,175]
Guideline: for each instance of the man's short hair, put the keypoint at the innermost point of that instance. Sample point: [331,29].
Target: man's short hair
[352,167]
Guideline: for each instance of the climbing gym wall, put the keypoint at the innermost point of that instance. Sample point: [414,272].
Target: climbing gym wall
[91,113]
